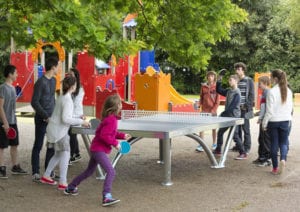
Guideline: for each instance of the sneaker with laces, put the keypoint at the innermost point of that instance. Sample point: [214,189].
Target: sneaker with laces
[257,161]
[36,178]
[264,163]
[48,181]
[54,176]
[214,146]
[69,191]
[281,166]
[242,156]
[75,158]
[109,200]
[217,152]
[16,169]
[275,171]
[3,172]
[199,149]
[62,187]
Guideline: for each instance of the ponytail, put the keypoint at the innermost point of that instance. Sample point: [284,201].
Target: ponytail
[282,83]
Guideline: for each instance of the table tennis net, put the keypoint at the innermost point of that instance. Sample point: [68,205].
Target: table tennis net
[163,116]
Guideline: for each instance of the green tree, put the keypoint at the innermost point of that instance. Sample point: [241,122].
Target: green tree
[265,42]
[184,29]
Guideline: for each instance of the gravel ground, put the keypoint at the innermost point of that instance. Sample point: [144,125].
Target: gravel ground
[240,186]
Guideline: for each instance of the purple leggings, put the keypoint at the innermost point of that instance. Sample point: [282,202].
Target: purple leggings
[105,163]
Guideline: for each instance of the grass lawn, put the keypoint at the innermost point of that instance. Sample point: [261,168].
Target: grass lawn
[191,96]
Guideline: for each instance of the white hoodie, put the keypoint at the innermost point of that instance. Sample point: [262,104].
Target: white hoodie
[61,119]
[275,110]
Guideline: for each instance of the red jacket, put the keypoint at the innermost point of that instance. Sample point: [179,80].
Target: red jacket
[209,98]
[106,135]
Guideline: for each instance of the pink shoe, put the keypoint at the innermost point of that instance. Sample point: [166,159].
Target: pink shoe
[47,181]
[275,171]
[62,187]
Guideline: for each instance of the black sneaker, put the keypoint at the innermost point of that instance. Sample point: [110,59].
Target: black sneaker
[264,163]
[107,201]
[16,169]
[3,172]
[54,176]
[257,161]
[217,152]
[75,158]
[69,191]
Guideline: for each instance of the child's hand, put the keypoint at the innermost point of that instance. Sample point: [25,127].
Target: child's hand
[118,147]
[86,124]
[127,136]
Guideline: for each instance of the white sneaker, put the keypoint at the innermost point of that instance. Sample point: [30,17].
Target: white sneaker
[281,166]
[214,146]
[199,149]
[36,177]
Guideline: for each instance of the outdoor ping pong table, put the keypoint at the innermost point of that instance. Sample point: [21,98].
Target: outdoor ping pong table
[165,126]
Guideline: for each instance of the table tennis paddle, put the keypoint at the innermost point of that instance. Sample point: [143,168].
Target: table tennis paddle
[125,147]
[11,133]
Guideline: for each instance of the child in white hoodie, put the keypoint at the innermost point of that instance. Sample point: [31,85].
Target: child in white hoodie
[57,133]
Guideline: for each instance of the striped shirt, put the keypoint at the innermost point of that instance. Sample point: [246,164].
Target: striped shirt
[242,85]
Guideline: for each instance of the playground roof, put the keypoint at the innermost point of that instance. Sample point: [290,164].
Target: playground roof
[101,64]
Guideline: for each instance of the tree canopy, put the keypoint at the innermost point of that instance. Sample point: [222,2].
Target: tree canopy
[184,29]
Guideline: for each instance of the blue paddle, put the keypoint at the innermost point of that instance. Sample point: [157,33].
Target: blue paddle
[125,147]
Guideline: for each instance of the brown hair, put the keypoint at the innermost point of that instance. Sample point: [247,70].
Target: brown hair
[235,77]
[265,80]
[282,83]
[111,105]
[240,64]
[67,83]
[212,73]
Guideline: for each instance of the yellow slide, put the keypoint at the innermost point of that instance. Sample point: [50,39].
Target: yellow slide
[176,98]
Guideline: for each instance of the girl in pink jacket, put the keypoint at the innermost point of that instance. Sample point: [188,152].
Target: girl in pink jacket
[105,138]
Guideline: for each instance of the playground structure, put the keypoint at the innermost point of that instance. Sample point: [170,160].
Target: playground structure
[133,78]
[136,78]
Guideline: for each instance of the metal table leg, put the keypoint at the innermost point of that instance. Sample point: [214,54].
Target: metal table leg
[167,162]
[207,150]
[226,148]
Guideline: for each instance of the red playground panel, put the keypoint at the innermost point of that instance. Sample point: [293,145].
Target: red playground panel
[101,97]
[25,80]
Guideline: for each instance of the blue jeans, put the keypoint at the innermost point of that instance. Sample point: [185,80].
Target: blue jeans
[40,131]
[105,163]
[278,132]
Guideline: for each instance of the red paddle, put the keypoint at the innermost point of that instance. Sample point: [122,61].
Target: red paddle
[11,133]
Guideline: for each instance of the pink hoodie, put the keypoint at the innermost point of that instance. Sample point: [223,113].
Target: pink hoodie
[106,135]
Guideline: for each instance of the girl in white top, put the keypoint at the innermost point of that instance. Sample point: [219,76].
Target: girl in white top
[277,120]
[77,95]
[57,133]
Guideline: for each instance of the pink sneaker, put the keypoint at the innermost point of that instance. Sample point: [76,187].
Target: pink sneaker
[241,157]
[47,181]
[62,187]
[275,171]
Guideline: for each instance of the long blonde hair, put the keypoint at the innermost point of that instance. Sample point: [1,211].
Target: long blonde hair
[111,105]
[282,83]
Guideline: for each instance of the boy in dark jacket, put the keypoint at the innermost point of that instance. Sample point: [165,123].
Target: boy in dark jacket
[232,109]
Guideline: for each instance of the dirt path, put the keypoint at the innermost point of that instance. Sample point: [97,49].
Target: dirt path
[240,186]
